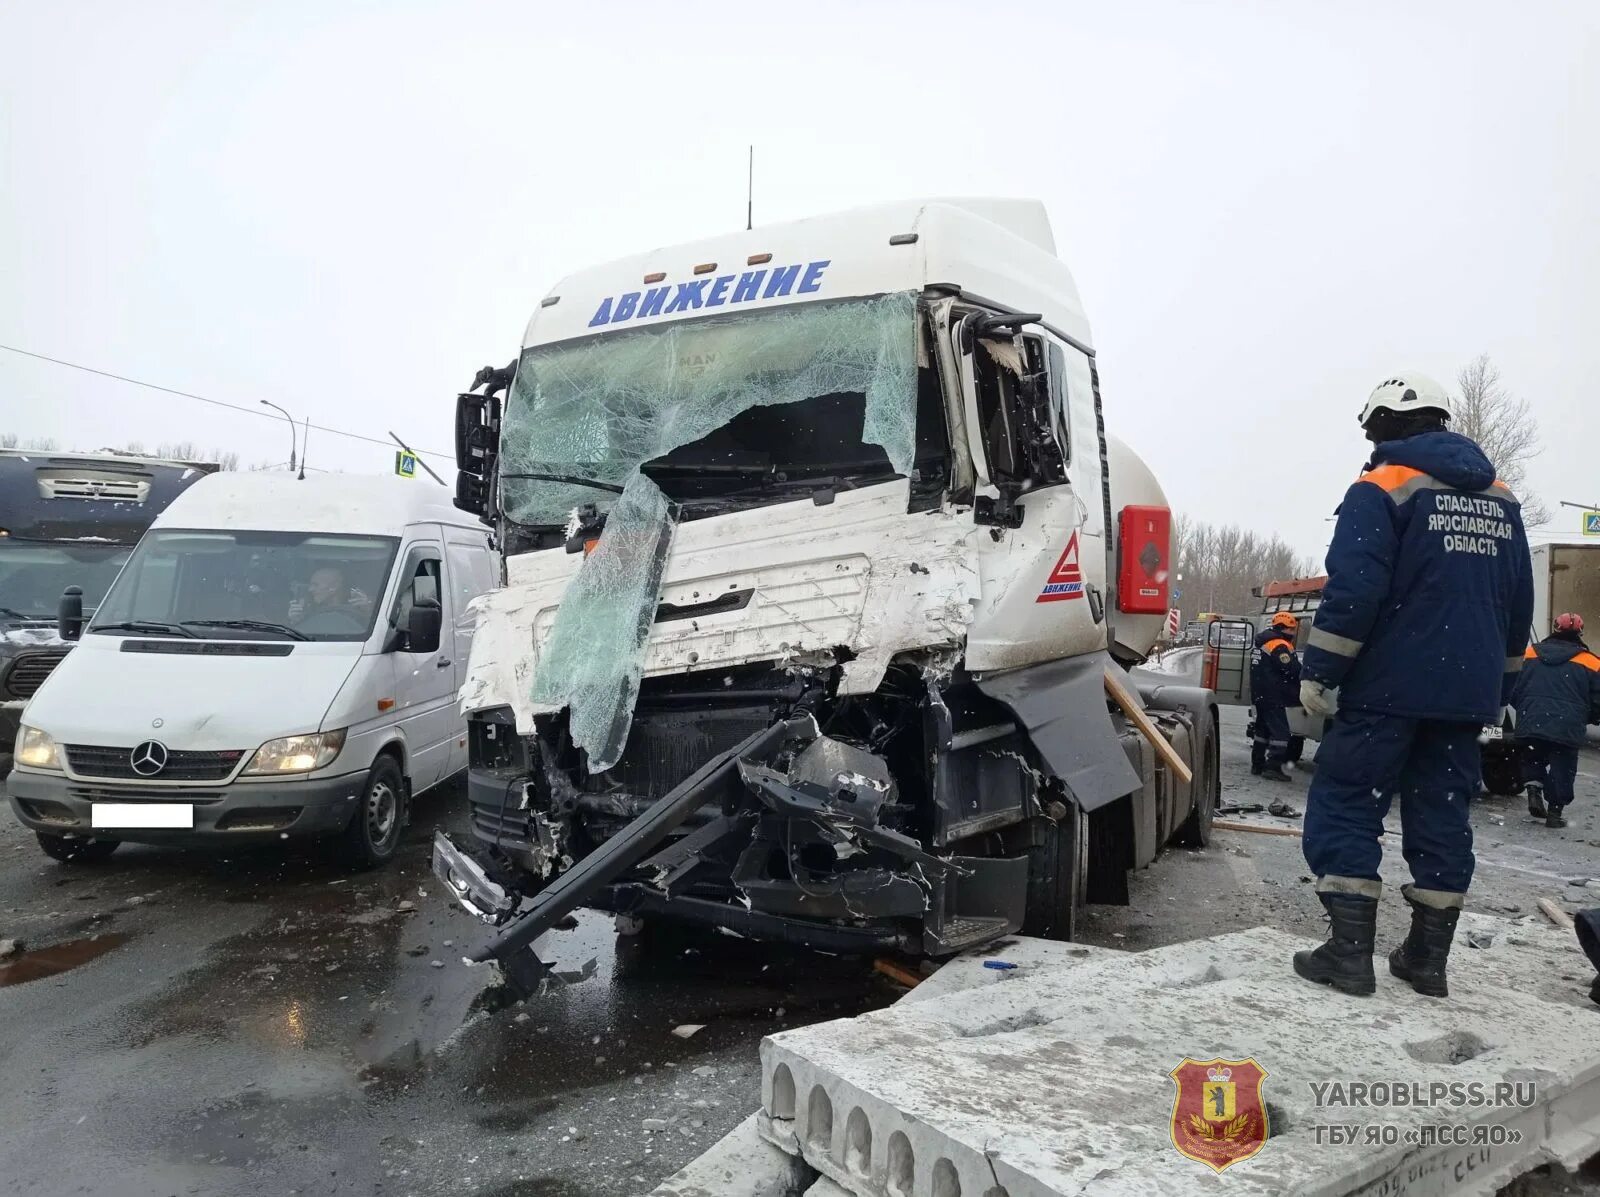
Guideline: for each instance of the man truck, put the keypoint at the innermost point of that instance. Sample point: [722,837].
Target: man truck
[822,581]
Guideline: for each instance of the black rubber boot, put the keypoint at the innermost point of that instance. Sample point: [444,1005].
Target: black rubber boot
[1556,816]
[1536,806]
[1274,773]
[1420,960]
[1345,961]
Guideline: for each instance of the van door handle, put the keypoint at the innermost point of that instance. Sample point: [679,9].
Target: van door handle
[442,663]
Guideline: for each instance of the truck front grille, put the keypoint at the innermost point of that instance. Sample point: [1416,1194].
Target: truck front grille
[29,670]
[92,760]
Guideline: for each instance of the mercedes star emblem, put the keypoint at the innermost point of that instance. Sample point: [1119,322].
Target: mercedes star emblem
[148,758]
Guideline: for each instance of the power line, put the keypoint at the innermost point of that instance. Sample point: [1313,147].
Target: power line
[249,411]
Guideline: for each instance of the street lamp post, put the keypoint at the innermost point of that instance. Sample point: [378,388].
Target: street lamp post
[286,416]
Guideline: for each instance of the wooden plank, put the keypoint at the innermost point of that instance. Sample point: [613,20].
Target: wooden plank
[1257,828]
[1129,702]
[1555,914]
[897,973]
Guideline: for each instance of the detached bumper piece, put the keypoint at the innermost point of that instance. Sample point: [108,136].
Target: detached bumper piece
[470,884]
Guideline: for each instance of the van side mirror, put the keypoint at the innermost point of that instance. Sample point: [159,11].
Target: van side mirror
[69,615]
[426,621]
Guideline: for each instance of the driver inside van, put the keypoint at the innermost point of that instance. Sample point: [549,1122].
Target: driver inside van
[327,594]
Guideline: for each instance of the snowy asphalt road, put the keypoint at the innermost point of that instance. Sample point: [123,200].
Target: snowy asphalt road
[266,1024]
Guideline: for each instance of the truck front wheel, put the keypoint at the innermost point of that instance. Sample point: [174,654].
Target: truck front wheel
[1058,878]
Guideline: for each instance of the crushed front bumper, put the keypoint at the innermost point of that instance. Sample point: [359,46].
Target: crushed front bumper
[744,810]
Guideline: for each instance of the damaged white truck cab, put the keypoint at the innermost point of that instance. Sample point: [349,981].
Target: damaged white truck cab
[819,566]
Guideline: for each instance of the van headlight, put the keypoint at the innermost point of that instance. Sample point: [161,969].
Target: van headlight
[295,754]
[36,750]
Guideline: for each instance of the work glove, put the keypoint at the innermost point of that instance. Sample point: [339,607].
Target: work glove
[1319,699]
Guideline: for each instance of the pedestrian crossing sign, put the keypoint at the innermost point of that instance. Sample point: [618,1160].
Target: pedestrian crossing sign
[405,464]
[1591,523]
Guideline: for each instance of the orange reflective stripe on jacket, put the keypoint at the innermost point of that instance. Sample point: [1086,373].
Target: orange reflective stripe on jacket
[1531,654]
[1589,661]
[1390,477]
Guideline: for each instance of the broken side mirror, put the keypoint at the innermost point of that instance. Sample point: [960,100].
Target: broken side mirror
[426,620]
[69,615]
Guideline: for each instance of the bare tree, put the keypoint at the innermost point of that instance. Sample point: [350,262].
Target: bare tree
[1504,427]
[43,444]
[1221,564]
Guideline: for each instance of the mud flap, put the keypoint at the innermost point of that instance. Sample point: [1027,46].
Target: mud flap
[1063,706]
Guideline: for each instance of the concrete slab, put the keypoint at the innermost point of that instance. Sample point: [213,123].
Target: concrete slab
[1026,955]
[740,1164]
[1056,1082]
[743,1164]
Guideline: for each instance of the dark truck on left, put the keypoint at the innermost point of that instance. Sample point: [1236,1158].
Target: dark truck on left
[66,520]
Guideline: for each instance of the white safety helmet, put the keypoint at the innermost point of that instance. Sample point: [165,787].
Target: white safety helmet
[1406,393]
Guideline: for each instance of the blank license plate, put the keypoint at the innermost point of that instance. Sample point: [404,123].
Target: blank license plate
[131,815]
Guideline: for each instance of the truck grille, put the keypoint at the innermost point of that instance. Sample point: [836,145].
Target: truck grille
[90,760]
[29,671]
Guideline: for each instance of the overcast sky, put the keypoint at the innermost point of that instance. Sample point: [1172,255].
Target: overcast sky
[347,208]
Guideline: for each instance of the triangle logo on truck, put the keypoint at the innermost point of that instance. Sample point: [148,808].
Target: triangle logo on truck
[1066,579]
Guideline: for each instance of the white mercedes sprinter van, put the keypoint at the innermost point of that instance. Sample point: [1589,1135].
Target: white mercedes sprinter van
[278,658]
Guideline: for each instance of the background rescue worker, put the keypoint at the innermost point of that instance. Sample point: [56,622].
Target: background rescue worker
[1274,687]
[1557,693]
[1415,647]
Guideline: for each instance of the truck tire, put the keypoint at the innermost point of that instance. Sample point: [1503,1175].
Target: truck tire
[1058,878]
[1195,831]
[373,836]
[74,849]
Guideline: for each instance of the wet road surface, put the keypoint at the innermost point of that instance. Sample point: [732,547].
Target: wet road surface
[266,1023]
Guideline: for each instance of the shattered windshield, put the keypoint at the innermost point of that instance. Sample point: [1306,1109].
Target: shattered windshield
[681,400]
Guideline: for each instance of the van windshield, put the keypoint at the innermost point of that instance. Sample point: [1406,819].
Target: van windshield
[233,585]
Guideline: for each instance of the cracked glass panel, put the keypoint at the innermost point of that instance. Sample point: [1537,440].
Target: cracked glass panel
[594,656]
[602,407]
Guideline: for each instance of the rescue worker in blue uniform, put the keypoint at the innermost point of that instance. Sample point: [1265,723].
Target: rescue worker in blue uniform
[1557,694]
[1416,646]
[1274,688]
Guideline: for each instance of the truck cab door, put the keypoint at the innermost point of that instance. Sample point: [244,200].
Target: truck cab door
[1035,496]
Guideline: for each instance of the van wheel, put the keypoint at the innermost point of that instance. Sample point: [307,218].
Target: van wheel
[1195,832]
[74,849]
[373,836]
[1058,878]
